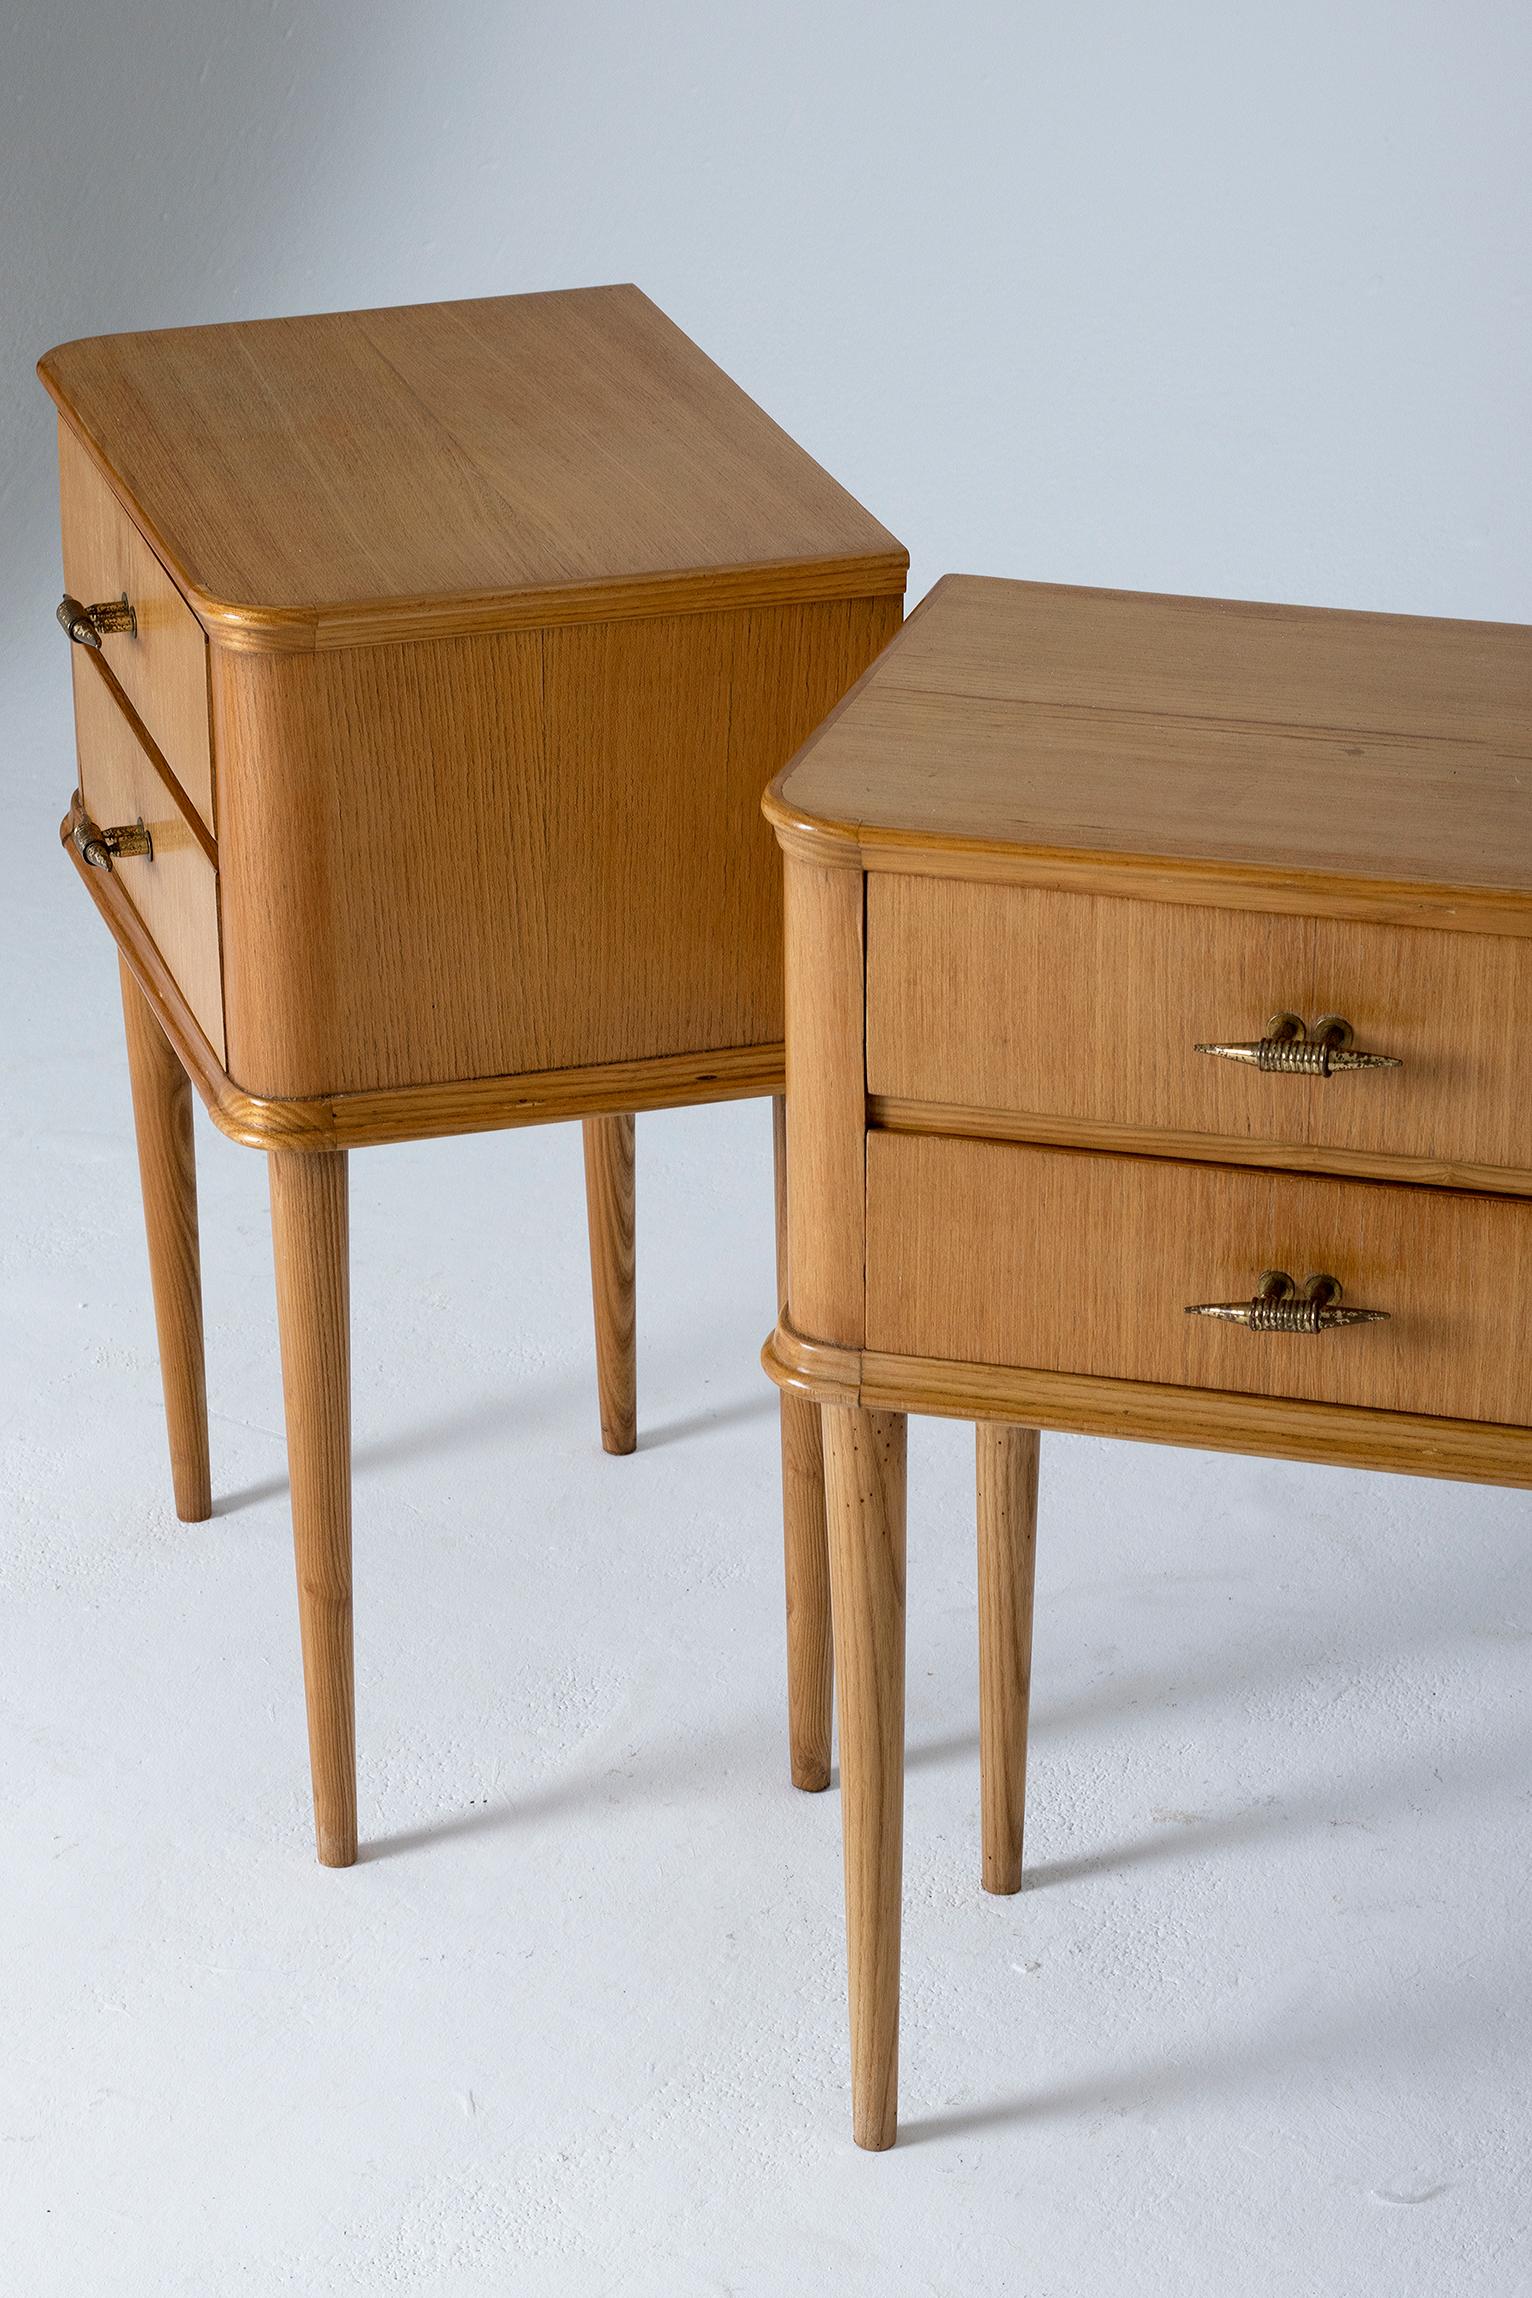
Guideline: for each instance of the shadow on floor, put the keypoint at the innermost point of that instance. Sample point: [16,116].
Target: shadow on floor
[699,1423]
[1389,2027]
[492,1420]
[665,1769]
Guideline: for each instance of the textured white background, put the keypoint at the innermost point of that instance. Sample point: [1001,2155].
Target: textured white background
[1212,298]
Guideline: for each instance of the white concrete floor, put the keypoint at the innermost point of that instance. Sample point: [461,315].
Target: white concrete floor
[1259,2024]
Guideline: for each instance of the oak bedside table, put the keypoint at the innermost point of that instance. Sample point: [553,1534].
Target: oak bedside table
[1158,1066]
[429,667]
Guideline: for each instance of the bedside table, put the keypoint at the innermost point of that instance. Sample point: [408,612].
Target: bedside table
[429,665]
[1158,973]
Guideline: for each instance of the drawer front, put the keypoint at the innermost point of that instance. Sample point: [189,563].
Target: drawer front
[174,891]
[162,665]
[1076,1007]
[1066,1260]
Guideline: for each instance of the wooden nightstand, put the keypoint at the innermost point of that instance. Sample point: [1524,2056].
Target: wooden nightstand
[429,667]
[1145,956]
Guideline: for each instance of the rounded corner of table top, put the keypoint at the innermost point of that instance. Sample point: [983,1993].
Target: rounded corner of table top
[823,1371]
[808,836]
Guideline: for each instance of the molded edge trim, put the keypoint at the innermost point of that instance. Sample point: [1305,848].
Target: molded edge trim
[1213,1420]
[1144,877]
[393,622]
[819,1370]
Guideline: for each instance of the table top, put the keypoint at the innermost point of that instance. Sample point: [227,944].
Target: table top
[468,463]
[1268,744]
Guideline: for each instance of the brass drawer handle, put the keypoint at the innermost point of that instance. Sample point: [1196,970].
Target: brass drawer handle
[101,848]
[1278,1307]
[1290,1050]
[87,625]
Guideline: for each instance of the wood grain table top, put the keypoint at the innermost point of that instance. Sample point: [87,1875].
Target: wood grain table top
[353,477]
[1291,755]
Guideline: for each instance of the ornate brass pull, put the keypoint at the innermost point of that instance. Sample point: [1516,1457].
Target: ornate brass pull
[86,625]
[101,848]
[1290,1050]
[1278,1307]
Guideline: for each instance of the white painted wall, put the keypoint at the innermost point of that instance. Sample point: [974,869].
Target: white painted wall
[1222,298]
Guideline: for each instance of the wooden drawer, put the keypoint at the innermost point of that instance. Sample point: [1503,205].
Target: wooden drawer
[1084,1009]
[162,666]
[1070,1261]
[175,892]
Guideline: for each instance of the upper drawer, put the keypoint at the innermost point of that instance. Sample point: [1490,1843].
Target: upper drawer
[1063,1260]
[162,665]
[1089,1009]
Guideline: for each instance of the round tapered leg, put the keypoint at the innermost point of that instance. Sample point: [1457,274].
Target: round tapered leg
[806,1557]
[609,1208]
[1007,1494]
[167,1169]
[805,1547]
[865,1490]
[309,1235]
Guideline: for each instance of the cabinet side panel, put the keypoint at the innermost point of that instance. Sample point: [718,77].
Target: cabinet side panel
[789,668]
[370,804]
[627,851]
[535,850]
[826,1102]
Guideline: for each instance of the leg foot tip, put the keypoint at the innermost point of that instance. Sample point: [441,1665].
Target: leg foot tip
[811,1778]
[876,2142]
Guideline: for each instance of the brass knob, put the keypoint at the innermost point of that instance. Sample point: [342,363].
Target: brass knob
[1289,1049]
[101,848]
[86,625]
[1278,1307]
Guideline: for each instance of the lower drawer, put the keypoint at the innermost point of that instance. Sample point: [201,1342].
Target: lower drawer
[1067,1261]
[174,891]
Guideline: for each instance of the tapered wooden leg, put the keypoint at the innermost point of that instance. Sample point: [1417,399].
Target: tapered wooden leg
[806,1555]
[308,1227]
[810,1665]
[865,1486]
[609,1193]
[167,1168]
[1007,1481]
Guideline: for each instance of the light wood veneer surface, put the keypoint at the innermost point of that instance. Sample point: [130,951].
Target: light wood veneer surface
[365,475]
[1052,842]
[174,890]
[161,665]
[1274,757]
[522,851]
[1067,1261]
[1081,1007]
